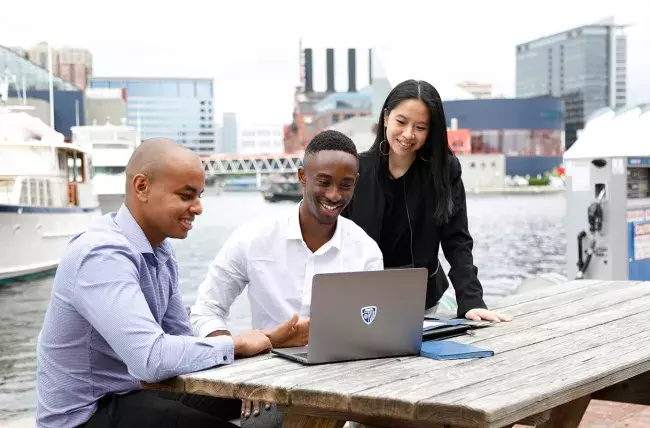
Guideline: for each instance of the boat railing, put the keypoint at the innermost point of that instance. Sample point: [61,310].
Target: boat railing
[40,191]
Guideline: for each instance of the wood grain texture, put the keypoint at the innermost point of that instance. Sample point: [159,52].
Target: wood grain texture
[566,342]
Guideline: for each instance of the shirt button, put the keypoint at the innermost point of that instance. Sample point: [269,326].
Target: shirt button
[225,358]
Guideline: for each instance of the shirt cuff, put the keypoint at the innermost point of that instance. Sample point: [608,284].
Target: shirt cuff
[224,348]
[210,326]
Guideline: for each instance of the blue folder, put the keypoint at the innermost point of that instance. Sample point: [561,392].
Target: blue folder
[450,350]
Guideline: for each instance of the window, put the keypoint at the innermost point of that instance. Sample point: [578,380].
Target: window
[42,193]
[24,192]
[204,89]
[48,193]
[186,89]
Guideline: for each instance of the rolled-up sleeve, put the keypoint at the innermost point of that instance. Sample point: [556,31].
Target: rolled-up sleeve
[108,295]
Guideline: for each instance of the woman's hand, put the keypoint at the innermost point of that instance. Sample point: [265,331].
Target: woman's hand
[484,314]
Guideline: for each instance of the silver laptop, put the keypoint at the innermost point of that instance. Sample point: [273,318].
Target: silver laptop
[363,315]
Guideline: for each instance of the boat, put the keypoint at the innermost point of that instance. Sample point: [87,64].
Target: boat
[278,188]
[46,195]
[111,147]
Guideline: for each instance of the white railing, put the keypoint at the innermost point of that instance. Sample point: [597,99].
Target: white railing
[244,165]
[43,191]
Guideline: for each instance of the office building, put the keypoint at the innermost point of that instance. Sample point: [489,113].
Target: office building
[229,134]
[176,108]
[585,66]
[528,132]
[72,64]
[29,85]
[260,139]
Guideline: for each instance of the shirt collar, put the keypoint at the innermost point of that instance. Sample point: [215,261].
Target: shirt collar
[134,233]
[295,233]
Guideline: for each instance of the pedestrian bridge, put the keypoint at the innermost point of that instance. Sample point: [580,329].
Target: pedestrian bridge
[233,164]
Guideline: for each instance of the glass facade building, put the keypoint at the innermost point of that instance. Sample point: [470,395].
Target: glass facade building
[585,66]
[180,109]
[229,133]
[29,74]
[33,83]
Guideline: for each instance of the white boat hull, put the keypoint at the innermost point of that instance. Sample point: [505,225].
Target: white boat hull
[33,239]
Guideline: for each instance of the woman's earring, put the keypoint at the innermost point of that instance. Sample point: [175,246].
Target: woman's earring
[387,150]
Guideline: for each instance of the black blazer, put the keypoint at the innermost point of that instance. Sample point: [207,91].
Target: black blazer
[367,207]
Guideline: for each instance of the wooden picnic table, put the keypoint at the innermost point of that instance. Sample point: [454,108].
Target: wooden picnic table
[567,344]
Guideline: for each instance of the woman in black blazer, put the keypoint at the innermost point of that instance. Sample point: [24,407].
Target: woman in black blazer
[410,197]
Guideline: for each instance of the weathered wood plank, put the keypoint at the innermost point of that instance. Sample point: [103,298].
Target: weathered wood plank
[509,398]
[244,381]
[635,391]
[506,363]
[367,421]
[221,379]
[380,382]
[572,309]
[550,291]
[569,298]
[529,377]
[301,421]
[567,415]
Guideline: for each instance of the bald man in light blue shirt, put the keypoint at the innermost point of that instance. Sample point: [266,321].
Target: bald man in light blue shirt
[116,317]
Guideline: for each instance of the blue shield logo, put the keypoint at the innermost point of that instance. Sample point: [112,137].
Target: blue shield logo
[368,314]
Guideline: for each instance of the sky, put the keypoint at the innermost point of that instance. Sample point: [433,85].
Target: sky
[251,48]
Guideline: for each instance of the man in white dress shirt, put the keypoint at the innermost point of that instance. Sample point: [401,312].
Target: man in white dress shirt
[277,257]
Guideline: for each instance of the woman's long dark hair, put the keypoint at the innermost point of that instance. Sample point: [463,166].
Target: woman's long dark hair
[435,150]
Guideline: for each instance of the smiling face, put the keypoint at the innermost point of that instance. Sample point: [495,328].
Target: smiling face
[328,179]
[407,127]
[171,198]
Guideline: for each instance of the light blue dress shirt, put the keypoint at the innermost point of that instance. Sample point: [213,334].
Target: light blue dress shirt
[115,317]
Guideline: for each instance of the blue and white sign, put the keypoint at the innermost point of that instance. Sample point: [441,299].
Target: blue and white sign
[368,314]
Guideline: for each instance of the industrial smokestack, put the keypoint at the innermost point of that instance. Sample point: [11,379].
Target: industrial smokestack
[370,66]
[352,70]
[330,70]
[309,77]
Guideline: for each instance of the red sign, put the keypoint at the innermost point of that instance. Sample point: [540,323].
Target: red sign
[460,141]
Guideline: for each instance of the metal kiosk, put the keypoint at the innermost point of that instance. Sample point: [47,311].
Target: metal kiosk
[608,197]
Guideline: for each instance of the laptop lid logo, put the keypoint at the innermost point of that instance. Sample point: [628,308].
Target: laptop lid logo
[368,314]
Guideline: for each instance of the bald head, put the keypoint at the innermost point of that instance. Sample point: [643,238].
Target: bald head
[163,188]
[155,155]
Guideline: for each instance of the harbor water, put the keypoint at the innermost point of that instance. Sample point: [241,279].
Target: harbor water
[516,237]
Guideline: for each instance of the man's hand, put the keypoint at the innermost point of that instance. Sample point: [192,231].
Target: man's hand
[251,342]
[484,314]
[294,332]
[247,405]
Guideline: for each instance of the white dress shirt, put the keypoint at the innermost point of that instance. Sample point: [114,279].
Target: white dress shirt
[271,258]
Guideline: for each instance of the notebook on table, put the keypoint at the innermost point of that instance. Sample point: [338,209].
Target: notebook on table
[446,328]
[450,350]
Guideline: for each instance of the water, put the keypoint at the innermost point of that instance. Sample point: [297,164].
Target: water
[515,237]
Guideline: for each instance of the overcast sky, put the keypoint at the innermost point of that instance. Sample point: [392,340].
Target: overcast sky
[251,49]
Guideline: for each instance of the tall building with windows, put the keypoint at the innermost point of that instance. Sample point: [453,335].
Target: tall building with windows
[586,66]
[259,139]
[69,63]
[176,108]
[229,133]
[30,85]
